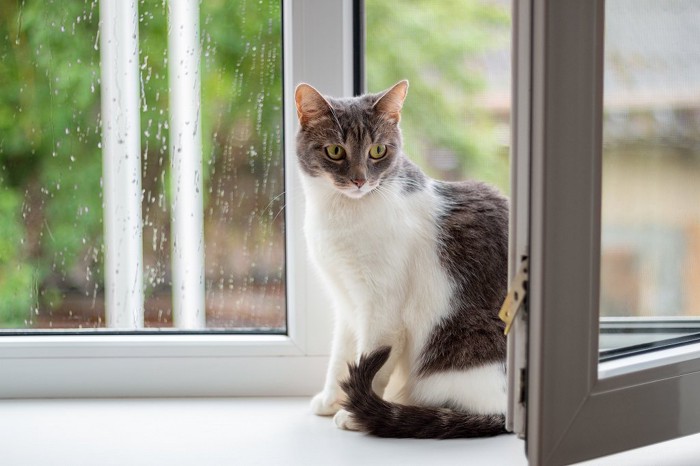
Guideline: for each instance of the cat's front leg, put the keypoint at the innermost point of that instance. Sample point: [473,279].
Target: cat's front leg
[372,338]
[328,402]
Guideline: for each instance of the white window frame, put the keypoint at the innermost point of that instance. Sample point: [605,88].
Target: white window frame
[317,42]
[576,408]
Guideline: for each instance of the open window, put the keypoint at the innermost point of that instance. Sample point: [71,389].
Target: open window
[605,357]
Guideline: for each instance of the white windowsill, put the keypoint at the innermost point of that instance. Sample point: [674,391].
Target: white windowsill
[242,431]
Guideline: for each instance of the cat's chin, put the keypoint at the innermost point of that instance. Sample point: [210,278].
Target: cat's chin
[355,193]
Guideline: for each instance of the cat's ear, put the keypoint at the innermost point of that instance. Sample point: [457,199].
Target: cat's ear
[391,101]
[310,103]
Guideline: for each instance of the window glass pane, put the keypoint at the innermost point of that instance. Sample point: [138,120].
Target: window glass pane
[244,189]
[456,56]
[651,171]
[51,200]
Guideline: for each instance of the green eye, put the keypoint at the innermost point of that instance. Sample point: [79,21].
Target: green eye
[377,151]
[335,152]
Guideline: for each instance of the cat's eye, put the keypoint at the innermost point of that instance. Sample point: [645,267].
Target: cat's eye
[377,151]
[335,152]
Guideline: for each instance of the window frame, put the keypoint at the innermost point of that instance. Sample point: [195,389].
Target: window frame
[105,364]
[579,409]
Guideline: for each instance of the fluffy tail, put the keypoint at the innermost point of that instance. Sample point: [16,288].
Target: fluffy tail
[385,419]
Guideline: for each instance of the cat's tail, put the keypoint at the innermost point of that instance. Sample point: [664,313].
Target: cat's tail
[386,419]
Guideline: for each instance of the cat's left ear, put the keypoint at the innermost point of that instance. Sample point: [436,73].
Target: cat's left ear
[391,101]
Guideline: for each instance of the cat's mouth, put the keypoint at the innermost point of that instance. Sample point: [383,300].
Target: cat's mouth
[354,192]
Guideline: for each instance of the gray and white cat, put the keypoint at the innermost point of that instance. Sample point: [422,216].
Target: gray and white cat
[417,269]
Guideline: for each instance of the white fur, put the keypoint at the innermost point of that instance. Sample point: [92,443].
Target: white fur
[343,420]
[481,390]
[378,256]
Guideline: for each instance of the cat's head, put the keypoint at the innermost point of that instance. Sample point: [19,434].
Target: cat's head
[353,144]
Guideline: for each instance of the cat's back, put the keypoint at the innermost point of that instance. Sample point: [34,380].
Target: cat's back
[472,203]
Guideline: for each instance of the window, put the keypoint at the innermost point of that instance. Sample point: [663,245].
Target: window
[650,174]
[243,77]
[118,171]
[243,121]
[569,405]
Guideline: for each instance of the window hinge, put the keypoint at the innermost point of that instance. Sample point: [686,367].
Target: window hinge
[516,294]
[522,397]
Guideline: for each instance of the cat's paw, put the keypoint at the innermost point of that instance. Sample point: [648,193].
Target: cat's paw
[344,420]
[324,405]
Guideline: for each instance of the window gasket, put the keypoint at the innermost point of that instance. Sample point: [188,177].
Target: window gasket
[687,329]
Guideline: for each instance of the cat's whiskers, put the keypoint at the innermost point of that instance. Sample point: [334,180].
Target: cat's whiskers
[297,199]
[388,194]
[262,213]
[279,212]
[337,122]
[382,192]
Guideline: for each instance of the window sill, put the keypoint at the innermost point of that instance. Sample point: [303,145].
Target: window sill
[274,431]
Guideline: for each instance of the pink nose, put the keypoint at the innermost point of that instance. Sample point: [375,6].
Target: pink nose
[359,182]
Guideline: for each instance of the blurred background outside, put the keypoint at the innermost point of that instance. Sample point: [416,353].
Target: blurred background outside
[651,159]
[51,234]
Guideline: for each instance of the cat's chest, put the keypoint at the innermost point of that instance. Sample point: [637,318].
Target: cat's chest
[373,237]
[356,234]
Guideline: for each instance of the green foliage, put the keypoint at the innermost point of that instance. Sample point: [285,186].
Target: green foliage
[50,133]
[48,147]
[16,277]
[434,44]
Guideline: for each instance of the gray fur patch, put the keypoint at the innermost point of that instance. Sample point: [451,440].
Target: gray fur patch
[412,178]
[473,248]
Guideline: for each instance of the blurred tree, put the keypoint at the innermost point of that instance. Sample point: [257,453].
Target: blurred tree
[436,45]
[49,156]
[50,140]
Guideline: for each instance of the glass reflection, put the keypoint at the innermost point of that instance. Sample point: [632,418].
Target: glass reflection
[651,163]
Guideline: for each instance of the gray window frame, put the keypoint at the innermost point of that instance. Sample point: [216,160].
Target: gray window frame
[567,405]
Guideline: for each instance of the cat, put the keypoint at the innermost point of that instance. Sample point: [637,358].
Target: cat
[417,269]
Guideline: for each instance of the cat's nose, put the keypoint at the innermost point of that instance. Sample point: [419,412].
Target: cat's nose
[359,182]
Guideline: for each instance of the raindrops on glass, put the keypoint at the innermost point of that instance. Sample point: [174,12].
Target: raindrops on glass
[51,167]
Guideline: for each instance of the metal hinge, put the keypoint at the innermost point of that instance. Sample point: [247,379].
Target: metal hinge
[516,295]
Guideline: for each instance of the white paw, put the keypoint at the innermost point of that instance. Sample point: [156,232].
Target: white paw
[344,420]
[324,405]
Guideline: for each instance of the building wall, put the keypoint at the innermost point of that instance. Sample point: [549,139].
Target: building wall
[651,232]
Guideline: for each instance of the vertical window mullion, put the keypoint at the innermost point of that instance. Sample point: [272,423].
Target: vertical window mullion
[186,164]
[119,50]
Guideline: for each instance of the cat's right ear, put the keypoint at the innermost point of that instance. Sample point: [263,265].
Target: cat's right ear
[310,103]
